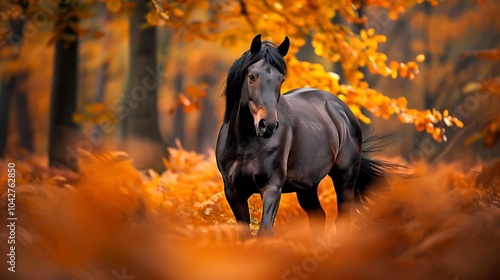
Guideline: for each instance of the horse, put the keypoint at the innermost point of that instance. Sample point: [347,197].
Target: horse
[272,143]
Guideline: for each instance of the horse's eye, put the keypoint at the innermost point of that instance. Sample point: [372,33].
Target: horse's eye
[251,77]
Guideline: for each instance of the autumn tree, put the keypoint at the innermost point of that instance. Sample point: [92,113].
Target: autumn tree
[139,119]
[138,110]
[64,15]
[64,86]
[233,23]
[12,86]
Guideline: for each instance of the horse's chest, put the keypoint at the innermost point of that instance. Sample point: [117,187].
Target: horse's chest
[249,172]
[241,170]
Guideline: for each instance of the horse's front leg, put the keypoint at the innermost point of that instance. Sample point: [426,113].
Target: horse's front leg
[271,195]
[239,205]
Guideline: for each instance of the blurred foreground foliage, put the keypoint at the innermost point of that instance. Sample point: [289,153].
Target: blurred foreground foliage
[436,223]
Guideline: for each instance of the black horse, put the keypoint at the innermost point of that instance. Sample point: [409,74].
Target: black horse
[271,143]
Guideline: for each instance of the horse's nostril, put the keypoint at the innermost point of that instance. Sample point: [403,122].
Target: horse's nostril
[262,125]
[277,124]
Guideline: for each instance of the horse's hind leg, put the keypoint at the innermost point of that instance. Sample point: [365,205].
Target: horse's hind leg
[344,174]
[309,201]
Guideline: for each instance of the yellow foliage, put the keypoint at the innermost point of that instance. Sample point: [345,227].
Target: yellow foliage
[234,23]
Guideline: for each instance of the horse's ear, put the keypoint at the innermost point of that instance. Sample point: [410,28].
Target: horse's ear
[284,46]
[256,44]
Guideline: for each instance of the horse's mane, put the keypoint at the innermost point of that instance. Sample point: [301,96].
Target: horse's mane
[237,72]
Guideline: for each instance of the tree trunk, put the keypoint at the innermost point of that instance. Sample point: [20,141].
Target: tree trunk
[5,94]
[102,72]
[139,115]
[11,88]
[206,131]
[23,116]
[62,153]
[178,132]
[208,121]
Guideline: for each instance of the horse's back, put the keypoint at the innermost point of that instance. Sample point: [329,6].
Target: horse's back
[315,96]
[306,99]
[321,125]
[310,100]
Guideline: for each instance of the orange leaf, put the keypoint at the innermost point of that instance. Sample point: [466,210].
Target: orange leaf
[98,34]
[473,138]
[178,12]
[420,58]
[95,108]
[114,5]
[152,18]
[184,100]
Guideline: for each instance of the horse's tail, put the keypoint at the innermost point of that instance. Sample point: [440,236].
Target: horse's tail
[372,171]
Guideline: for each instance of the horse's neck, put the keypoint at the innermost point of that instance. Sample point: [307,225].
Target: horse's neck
[240,124]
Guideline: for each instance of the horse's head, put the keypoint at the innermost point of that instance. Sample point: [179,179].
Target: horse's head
[262,85]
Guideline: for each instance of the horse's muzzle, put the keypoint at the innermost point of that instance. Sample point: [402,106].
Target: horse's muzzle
[265,128]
